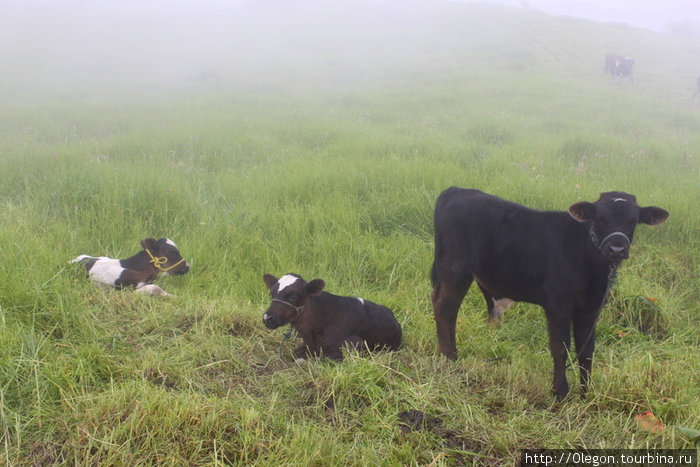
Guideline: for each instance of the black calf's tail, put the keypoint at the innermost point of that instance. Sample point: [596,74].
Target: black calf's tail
[434,269]
[439,205]
[434,272]
[434,275]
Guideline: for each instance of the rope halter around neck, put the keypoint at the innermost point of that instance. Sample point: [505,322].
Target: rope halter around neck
[299,309]
[599,243]
[159,261]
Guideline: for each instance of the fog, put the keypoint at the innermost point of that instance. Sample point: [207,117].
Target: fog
[63,44]
[71,44]
[674,16]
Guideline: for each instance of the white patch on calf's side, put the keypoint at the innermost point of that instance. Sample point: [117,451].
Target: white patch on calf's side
[106,270]
[285,281]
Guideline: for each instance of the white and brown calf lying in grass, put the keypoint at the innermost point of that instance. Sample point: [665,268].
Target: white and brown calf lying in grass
[328,322]
[158,258]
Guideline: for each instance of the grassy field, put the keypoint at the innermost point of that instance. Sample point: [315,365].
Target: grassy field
[328,165]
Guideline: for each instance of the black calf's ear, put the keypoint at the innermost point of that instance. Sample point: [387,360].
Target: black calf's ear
[149,243]
[270,280]
[651,215]
[315,287]
[582,211]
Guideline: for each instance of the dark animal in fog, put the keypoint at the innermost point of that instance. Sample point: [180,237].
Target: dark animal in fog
[617,66]
[328,322]
[158,258]
[562,261]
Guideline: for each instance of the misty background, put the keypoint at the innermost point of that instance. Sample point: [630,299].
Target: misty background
[146,46]
[673,16]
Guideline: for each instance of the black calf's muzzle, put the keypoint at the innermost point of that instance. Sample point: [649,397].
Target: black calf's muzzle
[182,268]
[614,246]
[272,320]
[269,321]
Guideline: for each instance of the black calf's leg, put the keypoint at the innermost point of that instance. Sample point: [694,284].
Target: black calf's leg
[488,298]
[559,327]
[447,298]
[308,348]
[332,353]
[355,343]
[332,343]
[302,351]
[584,337]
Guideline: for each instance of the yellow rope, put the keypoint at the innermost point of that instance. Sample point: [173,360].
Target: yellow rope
[158,261]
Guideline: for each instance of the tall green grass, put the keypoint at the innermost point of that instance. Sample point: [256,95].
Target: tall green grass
[339,182]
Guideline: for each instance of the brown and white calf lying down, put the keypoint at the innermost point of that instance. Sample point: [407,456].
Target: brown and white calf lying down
[327,322]
[158,258]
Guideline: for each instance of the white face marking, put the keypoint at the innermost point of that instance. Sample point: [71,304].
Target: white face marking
[170,242]
[285,281]
[106,271]
[615,200]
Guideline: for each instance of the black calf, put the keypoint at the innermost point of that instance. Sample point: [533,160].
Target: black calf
[327,322]
[560,261]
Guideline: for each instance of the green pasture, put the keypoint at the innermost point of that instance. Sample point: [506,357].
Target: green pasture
[328,166]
